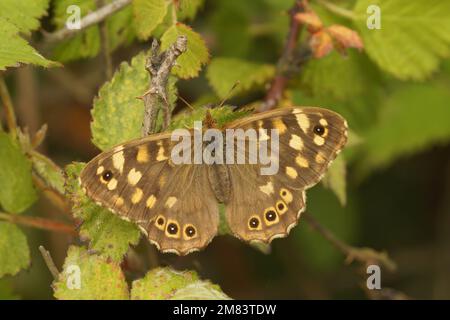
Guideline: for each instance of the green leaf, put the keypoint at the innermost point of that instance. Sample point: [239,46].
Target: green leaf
[24,14]
[412,119]
[120,28]
[187,9]
[118,113]
[413,38]
[49,171]
[16,185]
[148,14]
[224,73]
[168,284]
[191,61]
[14,251]
[335,179]
[108,234]
[99,278]
[15,50]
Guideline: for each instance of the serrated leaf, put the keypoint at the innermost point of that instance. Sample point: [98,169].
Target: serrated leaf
[196,55]
[118,113]
[16,185]
[168,284]
[414,35]
[413,118]
[335,179]
[99,278]
[187,9]
[120,30]
[24,14]
[109,235]
[14,251]
[15,50]
[49,171]
[224,73]
[148,14]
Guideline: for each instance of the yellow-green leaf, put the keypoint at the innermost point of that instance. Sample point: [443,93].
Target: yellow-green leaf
[335,179]
[14,251]
[148,14]
[24,14]
[191,61]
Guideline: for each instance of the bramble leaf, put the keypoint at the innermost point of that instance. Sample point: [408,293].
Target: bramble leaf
[196,55]
[49,171]
[118,113]
[98,278]
[335,179]
[108,234]
[16,185]
[24,14]
[14,251]
[148,14]
[169,284]
[187,9]
[414,35]
[224,73]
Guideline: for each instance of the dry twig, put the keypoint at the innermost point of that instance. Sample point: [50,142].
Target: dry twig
[49,262]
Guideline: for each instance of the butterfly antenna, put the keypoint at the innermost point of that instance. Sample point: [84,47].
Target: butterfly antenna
[229,93]
[185,102]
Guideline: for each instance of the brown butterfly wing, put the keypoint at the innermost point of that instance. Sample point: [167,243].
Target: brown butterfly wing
[145,187]
[264,207]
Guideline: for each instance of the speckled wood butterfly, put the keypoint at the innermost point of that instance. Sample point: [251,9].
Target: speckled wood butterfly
[176,205]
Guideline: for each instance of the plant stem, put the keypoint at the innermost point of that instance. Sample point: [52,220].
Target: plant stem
[336,9]
[89,20]
[9,110]
[39,223]
[49,262]
[104,37]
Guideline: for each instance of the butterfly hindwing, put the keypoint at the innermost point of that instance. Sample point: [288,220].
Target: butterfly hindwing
[309,139]
[138,182]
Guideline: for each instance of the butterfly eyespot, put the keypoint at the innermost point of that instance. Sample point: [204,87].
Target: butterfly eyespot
[319,130]
[280,206]
[190,231]
[172,228]
[284,193]
[253,223]
[107,175]
[160,221]
[271,215]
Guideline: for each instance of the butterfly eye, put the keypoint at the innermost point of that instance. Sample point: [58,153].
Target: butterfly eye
[107,175]
[319,130]
[253,223]
[172,228]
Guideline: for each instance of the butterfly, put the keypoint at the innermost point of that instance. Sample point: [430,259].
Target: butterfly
[177,205]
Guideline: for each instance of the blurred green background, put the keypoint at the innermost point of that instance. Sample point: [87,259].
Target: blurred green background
[395,96]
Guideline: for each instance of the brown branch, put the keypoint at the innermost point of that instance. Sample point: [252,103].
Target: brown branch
[89,20]
[9,109]
[49,262]
[366,256]
[104,37]
[159,66]
[39,223]
[287,61]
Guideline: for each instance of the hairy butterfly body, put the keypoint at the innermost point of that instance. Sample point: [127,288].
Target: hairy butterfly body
[176,205]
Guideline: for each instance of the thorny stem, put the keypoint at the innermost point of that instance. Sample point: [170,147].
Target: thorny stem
[9,110]
[159,66]
[364,255]
[39,223]
[285,63]
[89,20]
[49,262]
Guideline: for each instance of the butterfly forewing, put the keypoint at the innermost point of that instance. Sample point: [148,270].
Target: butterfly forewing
[263,207]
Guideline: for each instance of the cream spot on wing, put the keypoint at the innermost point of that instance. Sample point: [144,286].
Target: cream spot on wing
[151,201]
[137,195]
[291,172]
[134,176]
[303,121]
[142,154]
[100,170]
[118,161]
[170,202]
[323,122]
[267,189]
[279,125]
[296,142]
[320,158]
[302,162]
[119,202]
[112,184]
[161,150]
[319,140]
